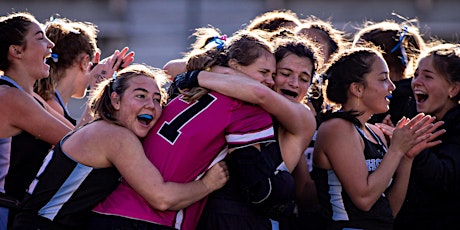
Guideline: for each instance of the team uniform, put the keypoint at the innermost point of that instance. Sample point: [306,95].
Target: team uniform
[432,200]
[337,206]
[186,141]
[64,192]
[26,156]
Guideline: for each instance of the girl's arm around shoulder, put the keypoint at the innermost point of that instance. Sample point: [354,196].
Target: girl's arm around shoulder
[294,144]
[295,117]
[128,156]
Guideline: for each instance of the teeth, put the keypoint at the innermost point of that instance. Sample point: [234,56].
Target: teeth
[419,92]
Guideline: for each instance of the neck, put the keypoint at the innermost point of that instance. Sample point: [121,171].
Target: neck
[363,116]
[65,86]
[65,93]
[22,79]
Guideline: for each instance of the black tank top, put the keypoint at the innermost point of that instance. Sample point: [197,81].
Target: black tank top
[27,154]
[64,192]
[337,205]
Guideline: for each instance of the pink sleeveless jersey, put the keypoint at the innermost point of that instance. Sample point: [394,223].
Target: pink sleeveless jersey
[184,143]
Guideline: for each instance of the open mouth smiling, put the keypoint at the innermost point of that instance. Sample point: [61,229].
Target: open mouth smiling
[421,97]
[145,119]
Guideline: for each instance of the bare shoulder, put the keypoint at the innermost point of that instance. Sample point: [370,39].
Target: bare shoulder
[336,136]
[15,103]
[111,133]
[103,142]
[336,127]
[10,95]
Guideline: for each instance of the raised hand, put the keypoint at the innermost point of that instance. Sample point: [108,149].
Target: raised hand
[429,142]
[409,133]
[104,69]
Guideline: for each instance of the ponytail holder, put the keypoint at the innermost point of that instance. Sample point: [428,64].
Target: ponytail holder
[218,42]
[402,35]
[112,85]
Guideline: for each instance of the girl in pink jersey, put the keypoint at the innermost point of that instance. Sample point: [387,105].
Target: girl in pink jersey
[191,133]
[89,163]
[296,64]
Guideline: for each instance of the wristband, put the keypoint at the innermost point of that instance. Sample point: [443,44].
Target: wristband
[187,80]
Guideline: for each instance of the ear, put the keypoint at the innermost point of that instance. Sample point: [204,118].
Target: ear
[84,62]
[454,89]
[115,100]
[233,63]
[356,89]
[15,51]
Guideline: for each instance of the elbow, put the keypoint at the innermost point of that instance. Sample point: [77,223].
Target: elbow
[364,204]
[160,203]
[163,206]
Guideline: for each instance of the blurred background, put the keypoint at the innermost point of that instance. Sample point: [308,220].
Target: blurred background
[159,30]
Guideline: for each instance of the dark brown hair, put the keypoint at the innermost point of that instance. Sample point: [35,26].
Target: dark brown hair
[401,43]
[13,29]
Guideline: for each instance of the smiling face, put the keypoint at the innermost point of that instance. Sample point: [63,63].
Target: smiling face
[35,52]
[378,86]
[139,107]
[293,77]
[432,90]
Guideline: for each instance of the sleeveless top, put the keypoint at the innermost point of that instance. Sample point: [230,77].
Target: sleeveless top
[64,192]
[27,154]
[337,206]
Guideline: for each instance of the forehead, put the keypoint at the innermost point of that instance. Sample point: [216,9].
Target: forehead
[295,62]
[266,60]
[34,27]
[378,64]
[425,61]
[143,82]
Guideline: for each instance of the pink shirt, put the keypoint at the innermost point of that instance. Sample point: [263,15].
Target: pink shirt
[186,141]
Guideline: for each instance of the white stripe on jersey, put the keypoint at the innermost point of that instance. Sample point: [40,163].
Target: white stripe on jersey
[335,191]
[78,175]
[250,137]
[46,161]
